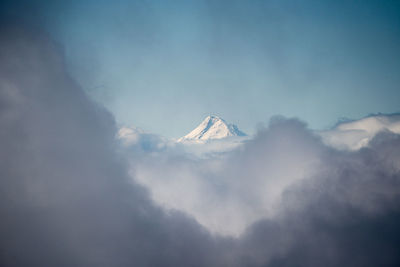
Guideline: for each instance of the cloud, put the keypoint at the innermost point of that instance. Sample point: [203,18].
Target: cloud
[66,198]
[246,184]
[289,199]
[137,139]
[353,135]
[242,186]
[345,214]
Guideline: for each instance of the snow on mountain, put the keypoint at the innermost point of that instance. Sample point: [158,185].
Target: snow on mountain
[211,128]
[356,134]
[213,137]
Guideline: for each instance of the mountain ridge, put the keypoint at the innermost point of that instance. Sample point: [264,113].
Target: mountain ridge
[212,127]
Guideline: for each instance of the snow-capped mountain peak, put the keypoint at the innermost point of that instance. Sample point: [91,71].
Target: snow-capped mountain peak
[212,127]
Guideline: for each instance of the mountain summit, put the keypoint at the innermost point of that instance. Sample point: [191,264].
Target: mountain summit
[212,127]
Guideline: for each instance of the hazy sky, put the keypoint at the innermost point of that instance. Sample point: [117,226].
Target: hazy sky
[165,65]
[73,195]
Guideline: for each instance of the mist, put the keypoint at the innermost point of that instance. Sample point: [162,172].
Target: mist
[71,196]
[66,199]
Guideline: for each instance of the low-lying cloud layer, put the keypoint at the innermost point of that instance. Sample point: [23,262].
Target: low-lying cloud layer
[67,199]
[246,184]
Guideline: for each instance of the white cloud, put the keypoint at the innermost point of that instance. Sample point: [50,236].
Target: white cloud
[246,182]
[356,134]
[240,186]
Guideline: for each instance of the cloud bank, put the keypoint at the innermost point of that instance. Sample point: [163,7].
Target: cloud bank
[247,184]
[68,198]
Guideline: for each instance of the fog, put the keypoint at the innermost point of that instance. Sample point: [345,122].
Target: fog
[70,196]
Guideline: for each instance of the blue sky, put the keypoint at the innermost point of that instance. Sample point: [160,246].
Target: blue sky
[165,65]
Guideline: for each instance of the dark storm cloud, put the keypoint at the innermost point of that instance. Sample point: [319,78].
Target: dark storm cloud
[346,215]
[66,198]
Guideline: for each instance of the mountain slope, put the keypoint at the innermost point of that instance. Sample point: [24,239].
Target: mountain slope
[212,127]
